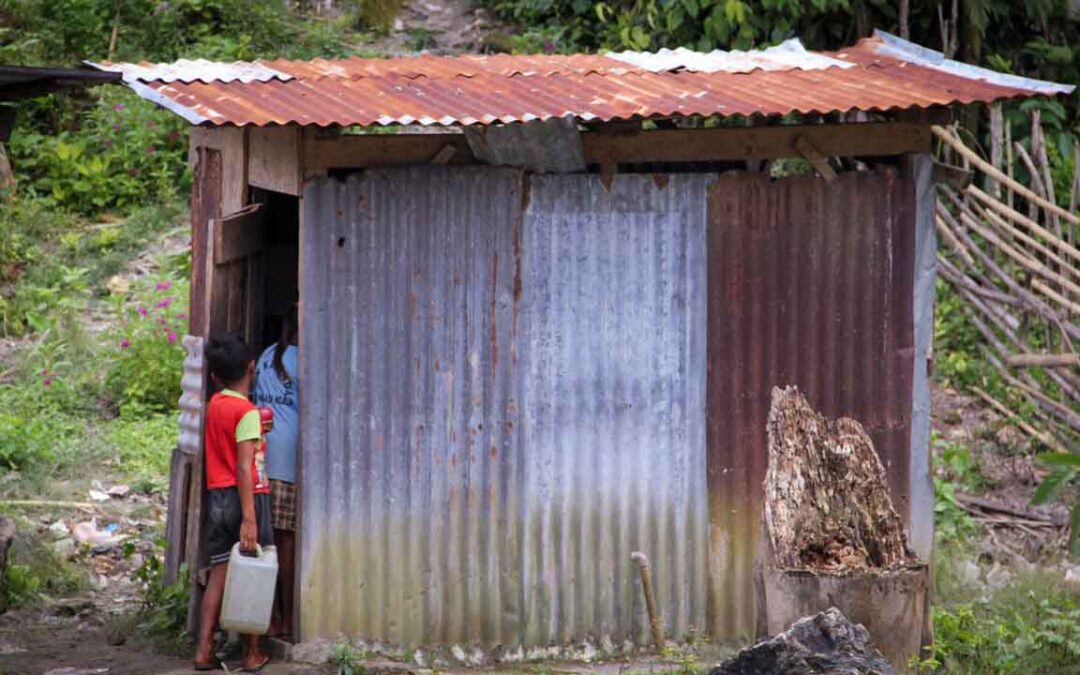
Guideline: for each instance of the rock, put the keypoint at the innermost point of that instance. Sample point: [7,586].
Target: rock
[119,491]
[118,285]
[1072,578]
[99,496]
[968,572]
[64,548]
[59,530]
[998,577]
[75,607]
[825,644]
[315,652]
[399,25]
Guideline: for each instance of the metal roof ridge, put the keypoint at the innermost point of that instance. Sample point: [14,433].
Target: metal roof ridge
[905,50]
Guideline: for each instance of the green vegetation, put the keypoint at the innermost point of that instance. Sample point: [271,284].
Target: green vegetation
[1031,626]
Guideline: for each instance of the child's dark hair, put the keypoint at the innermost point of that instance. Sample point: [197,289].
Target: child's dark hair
[289,325]
[228,356]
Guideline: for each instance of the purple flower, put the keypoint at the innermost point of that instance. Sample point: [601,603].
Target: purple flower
[125,343]
[165,302]
[118,107]
[142,311]
[116,127]
[44,373]
[181,316]
[549,46]
[47,382]
[163,285]
[171,337]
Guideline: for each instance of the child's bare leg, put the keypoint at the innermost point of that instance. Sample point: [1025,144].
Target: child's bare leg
[208,613]
[254,657]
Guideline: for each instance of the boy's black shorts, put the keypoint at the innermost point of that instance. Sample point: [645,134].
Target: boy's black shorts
[223,523]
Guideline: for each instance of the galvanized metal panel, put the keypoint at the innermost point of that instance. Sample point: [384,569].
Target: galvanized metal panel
[880,73]
[613,404]
[810,284]
[499,408]
[411,460]
[788,55]
[192,396]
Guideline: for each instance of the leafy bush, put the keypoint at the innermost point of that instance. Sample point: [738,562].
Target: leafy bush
[21,585]
[125,153]
[1035,630]
[144,373]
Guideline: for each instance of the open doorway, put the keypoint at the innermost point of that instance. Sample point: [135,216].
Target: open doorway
[275,336]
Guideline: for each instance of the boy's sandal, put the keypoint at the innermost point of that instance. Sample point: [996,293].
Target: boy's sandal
[207,665]
[257,668]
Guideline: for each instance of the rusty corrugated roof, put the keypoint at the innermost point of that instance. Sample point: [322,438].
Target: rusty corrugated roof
[877,74]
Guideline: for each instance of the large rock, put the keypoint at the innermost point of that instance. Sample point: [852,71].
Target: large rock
[825,644]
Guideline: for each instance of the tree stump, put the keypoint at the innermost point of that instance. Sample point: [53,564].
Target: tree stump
[830,536]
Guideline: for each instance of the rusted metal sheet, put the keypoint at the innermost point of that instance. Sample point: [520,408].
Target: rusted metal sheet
[880,73]
[412,459]
[505,399]
[810,284]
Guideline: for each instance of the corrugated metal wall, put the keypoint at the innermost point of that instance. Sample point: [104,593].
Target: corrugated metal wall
[810,284]
[613,404]
[500,405]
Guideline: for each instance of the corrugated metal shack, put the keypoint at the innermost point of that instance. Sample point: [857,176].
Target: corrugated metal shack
[542,334]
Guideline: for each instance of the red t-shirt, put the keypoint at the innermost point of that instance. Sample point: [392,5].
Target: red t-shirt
[231,419]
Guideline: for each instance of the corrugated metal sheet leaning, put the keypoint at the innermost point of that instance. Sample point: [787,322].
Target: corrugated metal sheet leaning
[531,411]
[879,73]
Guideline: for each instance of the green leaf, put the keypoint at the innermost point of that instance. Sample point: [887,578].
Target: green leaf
[692,8]
[1060,459]
[1052,486]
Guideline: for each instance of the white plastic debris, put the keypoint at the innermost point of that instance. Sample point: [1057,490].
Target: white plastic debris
[59,530]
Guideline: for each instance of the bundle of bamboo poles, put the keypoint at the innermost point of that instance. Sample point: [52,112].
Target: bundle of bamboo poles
[1009,252]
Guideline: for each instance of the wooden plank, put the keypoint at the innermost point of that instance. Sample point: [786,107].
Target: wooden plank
[445,155]
[239,235]
[368,150]
[180,470]
[1043,360]
[205,207]
[274,159]
[871,139]
[819,161]
[234,180]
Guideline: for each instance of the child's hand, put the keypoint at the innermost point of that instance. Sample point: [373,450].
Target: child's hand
[249,536]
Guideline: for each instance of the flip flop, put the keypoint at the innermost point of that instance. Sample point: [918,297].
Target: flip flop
[207,665]
[255,669]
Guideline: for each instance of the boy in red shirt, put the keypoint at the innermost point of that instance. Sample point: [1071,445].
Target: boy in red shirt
[238,498]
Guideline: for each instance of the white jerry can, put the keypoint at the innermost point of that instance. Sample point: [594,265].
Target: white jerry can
[249,591]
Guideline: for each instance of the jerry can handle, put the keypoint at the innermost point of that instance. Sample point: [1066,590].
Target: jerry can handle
[258,551]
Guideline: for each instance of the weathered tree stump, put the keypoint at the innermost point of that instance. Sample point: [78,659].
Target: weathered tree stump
[830,535]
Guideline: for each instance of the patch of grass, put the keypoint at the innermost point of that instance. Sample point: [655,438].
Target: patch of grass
[35,571]
[348,659]
[1032,626]
[163,616]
